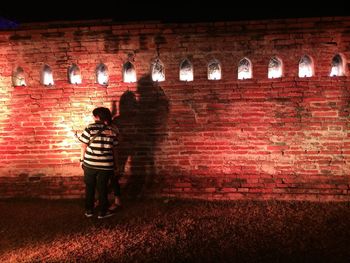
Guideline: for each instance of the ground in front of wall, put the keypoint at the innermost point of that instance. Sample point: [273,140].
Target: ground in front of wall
[169,230]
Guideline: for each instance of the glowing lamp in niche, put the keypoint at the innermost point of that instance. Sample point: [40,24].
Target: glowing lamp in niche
[214,70]
[337,68]
[306,68]
[275,68]
[18,77]
[186,71]
[102,76]
[74,75]
[47,76]
[129,73]
[244,69]
[158,71]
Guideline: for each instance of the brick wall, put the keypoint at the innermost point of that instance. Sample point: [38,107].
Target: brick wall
[284,138]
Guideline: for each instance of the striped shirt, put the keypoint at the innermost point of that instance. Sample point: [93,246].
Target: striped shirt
[99,153]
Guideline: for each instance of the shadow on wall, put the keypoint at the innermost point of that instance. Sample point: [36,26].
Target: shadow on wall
[142,124]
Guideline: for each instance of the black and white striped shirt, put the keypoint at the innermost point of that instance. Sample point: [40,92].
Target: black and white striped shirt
[99,153]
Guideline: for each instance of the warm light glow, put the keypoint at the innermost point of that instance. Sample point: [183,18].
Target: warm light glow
[129,77]
[337,66]
[158,73]
[275,68]
[74,74]
[88,119]
[244,69]
[336,71]
[73,127]
[102,74]
[129,73]
[47,77]
[186,71]
[214,75]
[18,77]
[70,139]
[214,70]
[102,78]
[75,79]
[275,73]
[5,107]
[305,71]
[158,76]
[305,67]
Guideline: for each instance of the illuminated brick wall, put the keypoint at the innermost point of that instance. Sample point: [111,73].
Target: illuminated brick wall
[284,138]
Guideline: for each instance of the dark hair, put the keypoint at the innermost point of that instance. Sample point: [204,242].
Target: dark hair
[104,114]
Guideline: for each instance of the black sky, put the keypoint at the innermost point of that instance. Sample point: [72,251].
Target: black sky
[166,11]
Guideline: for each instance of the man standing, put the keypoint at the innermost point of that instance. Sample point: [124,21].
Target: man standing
[99,160]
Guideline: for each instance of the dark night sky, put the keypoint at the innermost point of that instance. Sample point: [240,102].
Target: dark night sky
[166,10]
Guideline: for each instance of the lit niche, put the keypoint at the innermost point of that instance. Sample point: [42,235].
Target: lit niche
[306,67]
[214,70]
[337,68]
[245,69]
[102,76]
[47,76]
[18,77]
[129,72]
[186,70]
[275,68]
[158,71]
[74,75]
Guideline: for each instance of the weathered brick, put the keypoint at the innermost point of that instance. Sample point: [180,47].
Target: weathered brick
[283,138]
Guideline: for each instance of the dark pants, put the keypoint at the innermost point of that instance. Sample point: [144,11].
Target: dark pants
[99,178]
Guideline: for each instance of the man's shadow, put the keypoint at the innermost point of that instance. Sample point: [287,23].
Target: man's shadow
[142,125]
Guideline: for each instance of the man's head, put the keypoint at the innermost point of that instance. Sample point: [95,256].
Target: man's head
[103,114]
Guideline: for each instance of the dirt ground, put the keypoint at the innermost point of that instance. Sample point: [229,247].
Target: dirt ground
[167,230]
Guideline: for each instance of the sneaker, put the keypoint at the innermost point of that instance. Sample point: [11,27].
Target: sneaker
[89,213]
[108,213]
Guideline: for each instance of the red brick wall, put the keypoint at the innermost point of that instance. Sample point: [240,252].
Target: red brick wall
[283,138]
